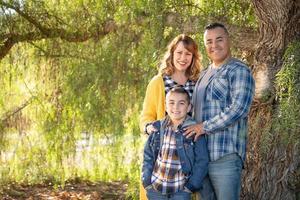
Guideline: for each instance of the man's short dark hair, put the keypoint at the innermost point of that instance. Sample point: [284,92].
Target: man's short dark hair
[180,90]
[216,25]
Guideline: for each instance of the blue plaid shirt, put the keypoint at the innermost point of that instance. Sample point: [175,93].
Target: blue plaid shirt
[227,100]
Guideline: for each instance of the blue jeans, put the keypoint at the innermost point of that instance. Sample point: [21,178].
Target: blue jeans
[155,195]
[224,179]
[207,191]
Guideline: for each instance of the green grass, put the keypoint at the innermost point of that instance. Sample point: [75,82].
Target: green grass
[28,160]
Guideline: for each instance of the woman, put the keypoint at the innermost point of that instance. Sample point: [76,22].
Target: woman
[179,67]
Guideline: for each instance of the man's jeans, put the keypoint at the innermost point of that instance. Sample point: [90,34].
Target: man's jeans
[224,177]
[155,195]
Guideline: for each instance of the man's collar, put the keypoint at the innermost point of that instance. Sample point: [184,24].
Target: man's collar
[227,60]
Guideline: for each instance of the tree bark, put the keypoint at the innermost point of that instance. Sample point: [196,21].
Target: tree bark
[279,24]
[267,174]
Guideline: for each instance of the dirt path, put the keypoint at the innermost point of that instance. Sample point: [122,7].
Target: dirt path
[71,191]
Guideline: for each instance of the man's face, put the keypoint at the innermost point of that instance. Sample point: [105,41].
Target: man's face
[177,106]
[217,45]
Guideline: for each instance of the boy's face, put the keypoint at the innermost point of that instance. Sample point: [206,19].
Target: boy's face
[177,106]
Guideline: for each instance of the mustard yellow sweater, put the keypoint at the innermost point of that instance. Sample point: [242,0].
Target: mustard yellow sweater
[154,102]
[153,109]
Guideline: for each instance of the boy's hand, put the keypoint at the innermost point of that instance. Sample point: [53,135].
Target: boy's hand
[192,130]
[150,129]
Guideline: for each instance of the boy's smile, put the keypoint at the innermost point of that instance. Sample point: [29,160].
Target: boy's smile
[177,107]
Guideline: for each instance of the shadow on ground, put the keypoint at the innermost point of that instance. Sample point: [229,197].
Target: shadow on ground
[84,190]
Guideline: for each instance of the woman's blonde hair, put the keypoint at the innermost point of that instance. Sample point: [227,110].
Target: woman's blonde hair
[167,66]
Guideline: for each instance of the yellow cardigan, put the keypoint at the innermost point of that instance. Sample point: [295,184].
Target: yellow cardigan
[154,102]
[153,109]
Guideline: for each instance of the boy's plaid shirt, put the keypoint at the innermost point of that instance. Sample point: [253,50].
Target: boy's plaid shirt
[167,176]
[228,98]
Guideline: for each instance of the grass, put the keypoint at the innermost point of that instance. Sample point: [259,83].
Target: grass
[27,159]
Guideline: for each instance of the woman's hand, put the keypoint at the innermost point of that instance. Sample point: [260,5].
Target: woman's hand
[150,129]
[196,129]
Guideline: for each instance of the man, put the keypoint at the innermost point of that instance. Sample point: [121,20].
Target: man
[222,99]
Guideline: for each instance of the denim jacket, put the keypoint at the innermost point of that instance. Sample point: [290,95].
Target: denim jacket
[193,155]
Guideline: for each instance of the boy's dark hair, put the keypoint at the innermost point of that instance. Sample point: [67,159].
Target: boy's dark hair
[181,90]
[216,25]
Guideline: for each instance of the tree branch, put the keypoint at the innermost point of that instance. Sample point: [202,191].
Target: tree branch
[25,16]
[43,32]
[9,114]
[12,39]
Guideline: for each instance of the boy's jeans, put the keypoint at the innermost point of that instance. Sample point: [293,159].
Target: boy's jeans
[225,177]
[155,195]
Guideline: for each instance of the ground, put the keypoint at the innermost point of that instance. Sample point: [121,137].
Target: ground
[83,190]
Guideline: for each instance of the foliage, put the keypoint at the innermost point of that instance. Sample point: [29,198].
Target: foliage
[238,12]
[287,118]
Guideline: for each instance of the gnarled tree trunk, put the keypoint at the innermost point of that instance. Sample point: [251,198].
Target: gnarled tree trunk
[267,175]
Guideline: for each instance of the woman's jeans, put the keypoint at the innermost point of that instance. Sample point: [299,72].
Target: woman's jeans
[224,179]
[155,195]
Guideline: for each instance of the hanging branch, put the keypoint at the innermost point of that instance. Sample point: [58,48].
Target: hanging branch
[11,113]
[43,32]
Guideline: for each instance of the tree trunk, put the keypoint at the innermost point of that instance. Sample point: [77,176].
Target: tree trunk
[279,24]
[269,168]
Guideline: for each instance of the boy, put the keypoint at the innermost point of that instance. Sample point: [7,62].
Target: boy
[174,166]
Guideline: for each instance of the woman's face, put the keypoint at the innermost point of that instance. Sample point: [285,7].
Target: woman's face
[182,58]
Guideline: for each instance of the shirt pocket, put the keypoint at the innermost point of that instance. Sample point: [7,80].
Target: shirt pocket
[219,88]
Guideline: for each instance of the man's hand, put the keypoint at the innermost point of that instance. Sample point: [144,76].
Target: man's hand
[192,130]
